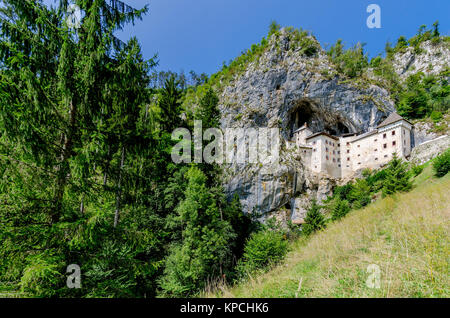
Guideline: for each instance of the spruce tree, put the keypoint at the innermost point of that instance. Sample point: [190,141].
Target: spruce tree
[340,209]
[209,114]
[205,249]
[314,219]
[397,177]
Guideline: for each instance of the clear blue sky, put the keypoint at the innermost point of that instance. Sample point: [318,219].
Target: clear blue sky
[201,34]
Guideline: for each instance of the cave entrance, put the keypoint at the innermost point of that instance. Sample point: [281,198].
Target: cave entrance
[302,113]
[342,128]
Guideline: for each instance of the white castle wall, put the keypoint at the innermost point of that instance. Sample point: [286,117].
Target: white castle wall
[342,157]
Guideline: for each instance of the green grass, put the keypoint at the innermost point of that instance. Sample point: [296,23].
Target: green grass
[406,235]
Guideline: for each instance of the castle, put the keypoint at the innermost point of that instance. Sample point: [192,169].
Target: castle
[341,157]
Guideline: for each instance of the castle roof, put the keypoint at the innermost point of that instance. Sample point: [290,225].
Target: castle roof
[322,133]
[392,118]
[301,128]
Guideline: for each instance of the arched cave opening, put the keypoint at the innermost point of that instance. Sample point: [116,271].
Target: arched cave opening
[299,115]
[318,118]
[343,129]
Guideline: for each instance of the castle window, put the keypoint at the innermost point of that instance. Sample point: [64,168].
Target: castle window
[334,152]
[334,160]
[385,156]
[339,145]
[348,144]
[404,142]
[327,157]
[403,132]
[376,140]
[314,142]
[375,149]
[314,149]
[385,146]
[326,142]
[348,150]
[393,133]
[359,155]
[326,149]
[348,158]
[404,149]
[376,158]
[359,146]
[384,136]
[339,165]
[359,163]
[394,143]
[339,152]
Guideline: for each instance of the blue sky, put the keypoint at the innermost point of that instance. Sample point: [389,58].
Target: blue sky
[200,35]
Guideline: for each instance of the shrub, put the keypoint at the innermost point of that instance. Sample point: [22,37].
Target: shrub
[342,192]
[360,194]
[397,177]
[314,219]
[262,249]
[441,164]
[436,116]
[416,170]
[340,209]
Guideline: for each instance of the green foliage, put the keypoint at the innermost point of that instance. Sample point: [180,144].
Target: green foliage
[170,105]
[263,248]
[424,96]
[351,62]
[205,249]
[441,164]
[340,209]
[397,178]
[416,170]
[315,220]
[274,27]
[342,192]
[436,116]
[360,194]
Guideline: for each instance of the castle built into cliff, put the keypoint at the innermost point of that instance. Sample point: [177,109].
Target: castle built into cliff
[341,157]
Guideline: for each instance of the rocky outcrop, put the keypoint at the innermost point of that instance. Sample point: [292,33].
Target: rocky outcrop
[429,149]
[423,131]
[431,59]
[281,86]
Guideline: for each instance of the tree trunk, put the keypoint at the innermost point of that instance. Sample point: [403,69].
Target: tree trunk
[116,213]
[64,168]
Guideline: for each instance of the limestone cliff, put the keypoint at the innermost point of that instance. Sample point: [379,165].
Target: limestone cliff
[272,90]
[429,59]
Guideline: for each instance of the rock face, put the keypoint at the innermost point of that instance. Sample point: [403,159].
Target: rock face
[432,59]
[285,89]
[423,132]
[429,149]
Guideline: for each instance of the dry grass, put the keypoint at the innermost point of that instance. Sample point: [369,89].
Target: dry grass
[405,235]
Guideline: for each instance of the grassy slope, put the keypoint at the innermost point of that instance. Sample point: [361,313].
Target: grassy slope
[405,235]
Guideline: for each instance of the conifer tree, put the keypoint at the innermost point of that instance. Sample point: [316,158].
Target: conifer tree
[397,177]
[340,209]
[205,248]
[314,219]
[360,193]
[209,114]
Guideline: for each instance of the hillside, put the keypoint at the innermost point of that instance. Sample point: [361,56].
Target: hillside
[405,235]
